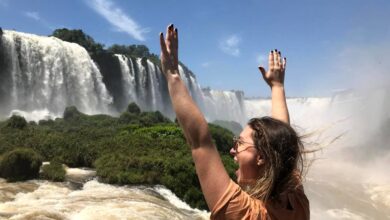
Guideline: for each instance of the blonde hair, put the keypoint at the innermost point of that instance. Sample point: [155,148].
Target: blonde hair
[282,150]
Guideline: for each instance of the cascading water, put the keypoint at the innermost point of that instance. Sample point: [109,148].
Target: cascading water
[39,199]
[47,74]
[225,105]
[43,75]
[144,84]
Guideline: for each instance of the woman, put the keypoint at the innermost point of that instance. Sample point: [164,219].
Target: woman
[268,150]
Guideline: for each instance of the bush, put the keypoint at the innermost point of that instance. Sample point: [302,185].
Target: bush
[17,121]
[20,164]
[133,108]
[53,171]
[232,126]
[150,118]
[222,137]
[128,118]
[72,113]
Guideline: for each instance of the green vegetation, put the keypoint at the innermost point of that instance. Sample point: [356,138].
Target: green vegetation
[53,171]
[79,37]
[232,126]
[135,51]
[17,122]
[94,48]
[20,164]
[133,108]
[133,115]
[136,148]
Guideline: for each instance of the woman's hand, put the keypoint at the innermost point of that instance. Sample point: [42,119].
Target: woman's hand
[169,51]
[277,66]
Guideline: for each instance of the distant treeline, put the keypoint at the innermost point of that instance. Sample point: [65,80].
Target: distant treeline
[135,148]
[97,49]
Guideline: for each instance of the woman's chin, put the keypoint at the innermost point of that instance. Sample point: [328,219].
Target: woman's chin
[238,175]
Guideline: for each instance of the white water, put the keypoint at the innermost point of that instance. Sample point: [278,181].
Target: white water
[147,91]
[154,95]
[43,75]
[47,200]
[47,74]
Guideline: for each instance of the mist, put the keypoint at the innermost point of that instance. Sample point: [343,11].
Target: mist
[354,168]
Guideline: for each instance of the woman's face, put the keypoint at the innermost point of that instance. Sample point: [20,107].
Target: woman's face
[247,157]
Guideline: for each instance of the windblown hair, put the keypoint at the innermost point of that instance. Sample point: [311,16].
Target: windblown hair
[282,150]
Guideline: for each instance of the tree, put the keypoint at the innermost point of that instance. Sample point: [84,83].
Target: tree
[131,50]
[20,164]
[133,108]
[79,37]
[71,112]
[17,121]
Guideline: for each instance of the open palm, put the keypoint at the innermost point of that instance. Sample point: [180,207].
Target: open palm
[277,67]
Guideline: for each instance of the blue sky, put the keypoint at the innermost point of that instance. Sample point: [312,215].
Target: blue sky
[223,42]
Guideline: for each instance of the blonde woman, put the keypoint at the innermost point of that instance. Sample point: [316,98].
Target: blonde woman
[268,151]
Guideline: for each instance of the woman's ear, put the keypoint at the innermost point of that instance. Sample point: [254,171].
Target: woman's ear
[259,160]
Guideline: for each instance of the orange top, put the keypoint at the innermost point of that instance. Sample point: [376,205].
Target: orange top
[236,204]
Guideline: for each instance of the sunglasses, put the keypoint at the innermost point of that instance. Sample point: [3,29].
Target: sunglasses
[238,142]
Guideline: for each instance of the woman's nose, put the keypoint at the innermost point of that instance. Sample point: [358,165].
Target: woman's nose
[232,151]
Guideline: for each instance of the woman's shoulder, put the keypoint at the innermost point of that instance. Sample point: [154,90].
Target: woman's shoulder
[237,204]
[291,204]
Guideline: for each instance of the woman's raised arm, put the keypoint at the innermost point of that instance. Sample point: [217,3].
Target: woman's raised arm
[274,77]
[212,175]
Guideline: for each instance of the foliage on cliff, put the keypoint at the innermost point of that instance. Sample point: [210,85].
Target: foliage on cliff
[134,51]
[79,37]
[232,126]
[94,48]
[136,148]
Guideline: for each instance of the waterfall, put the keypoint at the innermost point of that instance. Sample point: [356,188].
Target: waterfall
[225,105]
[143,83]
[45,73]
[40,76]
[153,95]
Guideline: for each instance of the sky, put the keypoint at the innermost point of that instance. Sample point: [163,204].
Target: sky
[330,45]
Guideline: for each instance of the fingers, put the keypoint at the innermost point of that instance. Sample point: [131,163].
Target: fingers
[279,59]
[176,39]
[170,32]
[262,70]
[276,58]
[163,45]
[276,61]
[168,38]
[171,39]
[169,50]
[271,61]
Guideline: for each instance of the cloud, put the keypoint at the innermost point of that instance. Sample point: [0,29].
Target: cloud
[116,17]
[36,17]
[32,14]
[261,60]
[205,64]
[364,66]
[230,45]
